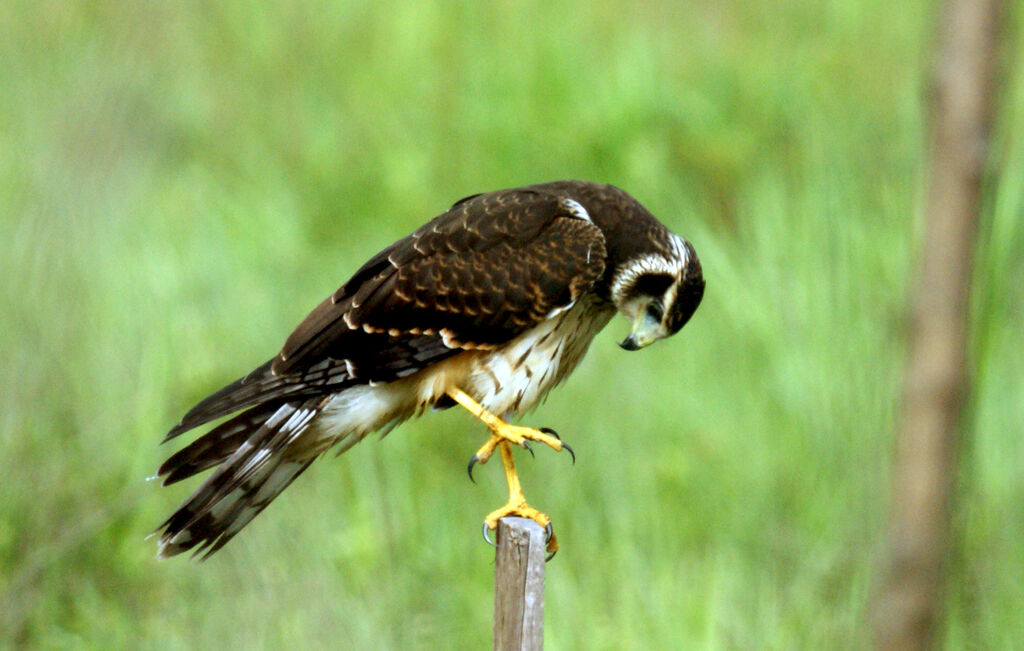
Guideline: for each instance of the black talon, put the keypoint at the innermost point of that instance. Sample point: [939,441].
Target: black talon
[571,453]
[548,430]
[469,468]
[549,532]
[529,448]
[488,538]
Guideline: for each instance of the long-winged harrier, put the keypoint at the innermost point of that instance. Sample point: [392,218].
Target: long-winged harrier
[489,305]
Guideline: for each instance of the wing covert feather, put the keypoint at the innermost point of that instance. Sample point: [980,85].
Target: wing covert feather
[476,276]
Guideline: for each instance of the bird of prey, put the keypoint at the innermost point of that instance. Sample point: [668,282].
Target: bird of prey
[489,306]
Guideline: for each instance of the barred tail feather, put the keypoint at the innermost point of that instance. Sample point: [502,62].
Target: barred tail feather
[245,483]
[261,386]
[216,446]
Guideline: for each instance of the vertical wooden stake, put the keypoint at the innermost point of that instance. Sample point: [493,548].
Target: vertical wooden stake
[519,585]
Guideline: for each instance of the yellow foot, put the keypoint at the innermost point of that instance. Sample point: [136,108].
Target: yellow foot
[516,504]
[516,507]
[521,436]
[502,431]
[503,436]
[520,509]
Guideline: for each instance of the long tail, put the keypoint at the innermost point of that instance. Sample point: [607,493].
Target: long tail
[254,468]
[261,386]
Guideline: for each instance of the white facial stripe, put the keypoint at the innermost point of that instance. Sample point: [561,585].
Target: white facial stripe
[576,209]
[651,263]
[670,298]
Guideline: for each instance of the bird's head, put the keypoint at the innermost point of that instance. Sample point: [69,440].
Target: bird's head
[658,291]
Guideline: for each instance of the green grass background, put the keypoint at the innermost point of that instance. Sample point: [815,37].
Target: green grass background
[181,182]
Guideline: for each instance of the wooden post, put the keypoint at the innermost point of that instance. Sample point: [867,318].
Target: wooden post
[519,585]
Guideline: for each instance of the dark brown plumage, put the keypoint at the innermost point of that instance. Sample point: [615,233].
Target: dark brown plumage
[467,302]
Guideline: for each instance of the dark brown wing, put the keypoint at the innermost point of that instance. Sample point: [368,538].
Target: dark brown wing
[475,277]
[486,270]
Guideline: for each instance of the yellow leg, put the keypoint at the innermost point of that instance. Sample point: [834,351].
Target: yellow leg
[516,504]
[502,431]
[502,436]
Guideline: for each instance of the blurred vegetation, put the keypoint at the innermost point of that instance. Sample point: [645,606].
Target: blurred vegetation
[181,182]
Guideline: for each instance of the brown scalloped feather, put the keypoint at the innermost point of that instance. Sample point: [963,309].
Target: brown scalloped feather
[483,272]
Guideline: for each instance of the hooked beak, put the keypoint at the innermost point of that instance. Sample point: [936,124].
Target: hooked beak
[646,330]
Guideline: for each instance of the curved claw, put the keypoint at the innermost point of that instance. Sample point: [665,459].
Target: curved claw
[549,532]
[548,430]
[529,448]
[469,468]
[488,538]
[571,453]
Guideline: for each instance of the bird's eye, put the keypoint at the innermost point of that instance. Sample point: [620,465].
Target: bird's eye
[656,311]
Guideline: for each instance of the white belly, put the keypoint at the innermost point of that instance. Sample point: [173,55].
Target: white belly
[516,377]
